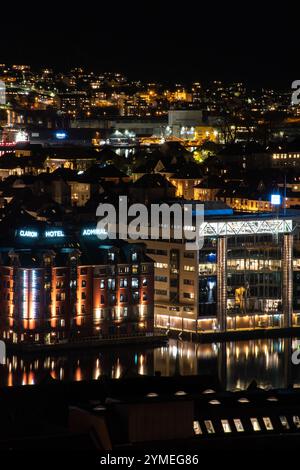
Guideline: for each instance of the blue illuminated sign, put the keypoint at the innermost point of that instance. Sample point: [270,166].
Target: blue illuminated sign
[54,234]
[61,135]
[276,199]
[92,232]
[28,233]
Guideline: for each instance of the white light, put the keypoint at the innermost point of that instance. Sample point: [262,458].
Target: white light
[28,233]
[60,135]
[87,232]
[21,136]
[276,199]
[54,234]
[24,294]
[260,226]
[33,293]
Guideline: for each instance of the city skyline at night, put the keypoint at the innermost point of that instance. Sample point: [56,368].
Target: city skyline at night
[149,231]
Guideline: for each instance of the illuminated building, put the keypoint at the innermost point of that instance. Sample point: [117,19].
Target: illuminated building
[244,203]
[185,182]
[183,122]
[203,133]
[286,159]
[56,284]
[247,275]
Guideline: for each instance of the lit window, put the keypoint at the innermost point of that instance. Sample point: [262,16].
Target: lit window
[197,428]
[209,427]
[284,422]
[268,424]
[123,282]
[226,425]
[189,268]
[215,402]
[161,265]
[243,400]
[255,424]
[111,284]
[238,425]
[296,421]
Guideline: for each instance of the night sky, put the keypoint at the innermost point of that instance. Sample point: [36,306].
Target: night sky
[178,43]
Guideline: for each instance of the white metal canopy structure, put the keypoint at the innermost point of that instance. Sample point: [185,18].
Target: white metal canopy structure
[248,227]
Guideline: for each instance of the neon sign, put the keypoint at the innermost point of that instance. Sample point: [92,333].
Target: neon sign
[60,135]
[92,232]
[29,233]
[54,234]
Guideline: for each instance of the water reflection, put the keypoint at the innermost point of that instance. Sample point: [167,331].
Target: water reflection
[267,361]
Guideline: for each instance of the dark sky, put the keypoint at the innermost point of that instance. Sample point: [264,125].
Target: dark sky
[181,41]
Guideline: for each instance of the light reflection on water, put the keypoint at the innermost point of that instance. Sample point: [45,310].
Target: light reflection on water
[268,361]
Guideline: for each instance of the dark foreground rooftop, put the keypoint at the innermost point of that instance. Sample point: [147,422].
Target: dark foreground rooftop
[147,413]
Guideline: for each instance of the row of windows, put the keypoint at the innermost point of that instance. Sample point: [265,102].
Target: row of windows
[236,425]
[111,283]
[161,265]
[161,279]
[188,282]
[123,298]
[189,268]
[186,295]
[111,299]
[124,283]
[151,251]
[121,269]
[284,156]
[161,292]
[187,254]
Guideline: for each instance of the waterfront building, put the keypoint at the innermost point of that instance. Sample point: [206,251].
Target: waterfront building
[57,284]
[246,276]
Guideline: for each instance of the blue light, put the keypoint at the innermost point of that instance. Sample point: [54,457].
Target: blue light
[54,234]
[28,233]
[34,293]
[60,135]
[212,257]
[93,232]
[276,199]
